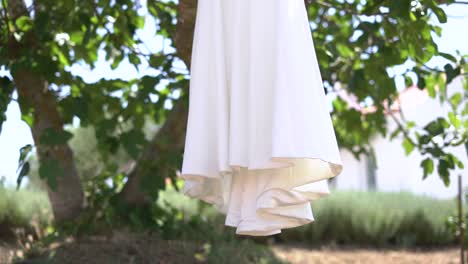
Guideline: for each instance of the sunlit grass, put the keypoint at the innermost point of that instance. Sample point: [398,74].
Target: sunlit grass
[23,208]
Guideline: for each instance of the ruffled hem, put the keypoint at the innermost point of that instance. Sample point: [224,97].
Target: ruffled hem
[263,200]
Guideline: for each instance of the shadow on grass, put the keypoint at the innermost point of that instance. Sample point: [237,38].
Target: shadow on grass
[147,248]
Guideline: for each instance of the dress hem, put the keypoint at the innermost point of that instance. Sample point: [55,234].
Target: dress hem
[276,208]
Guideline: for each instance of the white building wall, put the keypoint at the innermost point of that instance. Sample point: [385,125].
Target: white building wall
[396,171]
[353,176]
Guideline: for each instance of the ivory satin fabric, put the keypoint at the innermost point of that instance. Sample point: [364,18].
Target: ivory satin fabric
[260,144]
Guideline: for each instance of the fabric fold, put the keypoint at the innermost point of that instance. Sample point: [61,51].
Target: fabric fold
[261,202]
[260,143]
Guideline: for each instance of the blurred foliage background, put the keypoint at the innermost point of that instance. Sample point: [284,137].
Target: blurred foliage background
[116,144]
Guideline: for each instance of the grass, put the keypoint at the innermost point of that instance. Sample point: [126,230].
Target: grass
[23,209]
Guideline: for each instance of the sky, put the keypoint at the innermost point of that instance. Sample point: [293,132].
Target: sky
[16,134]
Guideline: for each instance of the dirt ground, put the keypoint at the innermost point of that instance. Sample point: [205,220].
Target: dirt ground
[298,255]
[124,250]
[104,250]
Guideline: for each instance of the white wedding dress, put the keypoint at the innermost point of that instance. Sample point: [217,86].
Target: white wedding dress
[260,144]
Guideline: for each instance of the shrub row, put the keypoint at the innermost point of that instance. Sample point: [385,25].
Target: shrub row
[355,218]
[378,219]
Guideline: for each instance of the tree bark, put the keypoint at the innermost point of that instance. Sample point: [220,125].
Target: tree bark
[186,15]
[33,92]
[174,128]
[67,199]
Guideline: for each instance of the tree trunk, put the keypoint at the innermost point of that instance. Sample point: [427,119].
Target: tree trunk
[67,200]
[174,128]
[33,92]
[186,15]
[173,132]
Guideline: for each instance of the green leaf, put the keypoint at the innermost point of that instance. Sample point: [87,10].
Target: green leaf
[408,146]
[157,60]
[395,133]
[62,58]
[443,170]
[451,72]
[428,167]
[454,120]
[408,81]
[24,23]
[437,30]
[430,85]
[448,56]
[437,126]
[76,37]
[344,50]
[451,160]
[94,20]
[28,118]
[116,61]
[134,59]
[140,22]
[456,99]
[465,109]
[421,82]
[435,151]
[441,16]
[410,124]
